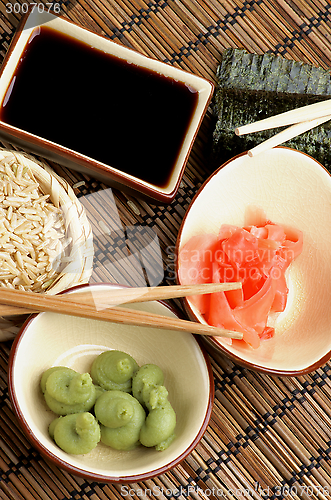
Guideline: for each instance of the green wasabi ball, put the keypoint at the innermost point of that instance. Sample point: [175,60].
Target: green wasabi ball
[114,409]
[66,391]
[76,434]
[159,426]
[145,379]
[113,370]
[47,373]
[121,417]
[52,425]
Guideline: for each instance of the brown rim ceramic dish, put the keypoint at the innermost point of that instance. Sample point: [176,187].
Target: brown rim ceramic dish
[35,23]
[70,342]
[292,189]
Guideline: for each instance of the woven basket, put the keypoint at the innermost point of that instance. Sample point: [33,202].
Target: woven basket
[79,254]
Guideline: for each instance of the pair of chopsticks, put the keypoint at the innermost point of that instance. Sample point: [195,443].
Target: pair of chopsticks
[102,305]
[300,120]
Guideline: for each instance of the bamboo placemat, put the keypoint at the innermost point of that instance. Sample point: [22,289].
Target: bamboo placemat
[268,437]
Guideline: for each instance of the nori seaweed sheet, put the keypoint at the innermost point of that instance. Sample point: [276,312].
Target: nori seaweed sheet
[251,87]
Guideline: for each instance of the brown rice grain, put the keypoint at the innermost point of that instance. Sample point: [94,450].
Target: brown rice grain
[29,223]
[26,278]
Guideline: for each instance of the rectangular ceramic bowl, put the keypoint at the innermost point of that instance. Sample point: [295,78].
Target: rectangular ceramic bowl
[148,128]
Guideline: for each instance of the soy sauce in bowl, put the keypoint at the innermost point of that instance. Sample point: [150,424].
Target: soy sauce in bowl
[99,105]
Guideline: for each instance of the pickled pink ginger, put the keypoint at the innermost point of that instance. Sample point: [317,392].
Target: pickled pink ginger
[258,257]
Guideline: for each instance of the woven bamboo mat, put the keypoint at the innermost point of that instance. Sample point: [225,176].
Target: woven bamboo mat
[268,437]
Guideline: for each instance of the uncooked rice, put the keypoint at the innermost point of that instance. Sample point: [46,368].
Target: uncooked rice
[32,231]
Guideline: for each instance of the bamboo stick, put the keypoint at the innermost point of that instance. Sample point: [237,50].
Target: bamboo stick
[122,315]
[102,299]
[287,134]
[298,115]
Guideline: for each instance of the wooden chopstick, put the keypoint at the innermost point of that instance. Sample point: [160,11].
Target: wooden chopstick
[287,134]
[297,115]
[101,299]
[122,315]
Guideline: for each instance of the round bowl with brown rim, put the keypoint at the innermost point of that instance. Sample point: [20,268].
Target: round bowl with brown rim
[49,339]
[292,189]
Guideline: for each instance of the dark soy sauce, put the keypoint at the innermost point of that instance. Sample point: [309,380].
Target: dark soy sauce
[128,117]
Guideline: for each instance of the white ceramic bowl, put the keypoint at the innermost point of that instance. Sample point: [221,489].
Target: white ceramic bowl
[49,339]
[295,190]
